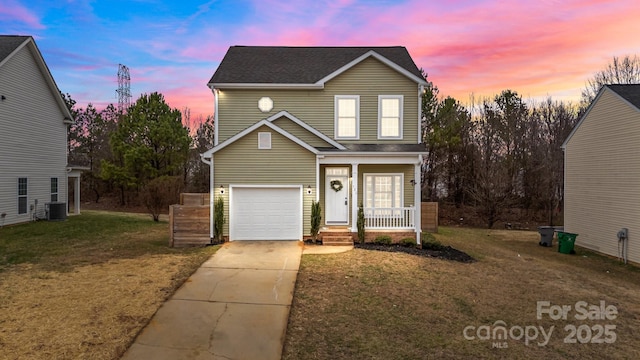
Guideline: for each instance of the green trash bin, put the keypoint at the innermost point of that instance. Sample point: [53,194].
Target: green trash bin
[566,241]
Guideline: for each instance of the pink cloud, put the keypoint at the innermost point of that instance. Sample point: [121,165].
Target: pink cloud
[198,100]
[497,47]
[182,86]
[536,48]
[14,11]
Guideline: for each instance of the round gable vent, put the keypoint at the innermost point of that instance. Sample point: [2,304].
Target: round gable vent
[265,104]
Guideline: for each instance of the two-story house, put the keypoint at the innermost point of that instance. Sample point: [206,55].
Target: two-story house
[338,125]
[33,135]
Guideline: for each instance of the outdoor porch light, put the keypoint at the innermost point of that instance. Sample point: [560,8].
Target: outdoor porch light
[413,182]
[221,189]
[309,190]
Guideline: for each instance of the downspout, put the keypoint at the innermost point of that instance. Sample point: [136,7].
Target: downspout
[211,193]
[216,93]
[420,92]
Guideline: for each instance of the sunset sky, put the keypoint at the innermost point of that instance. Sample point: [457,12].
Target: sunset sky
[538,48]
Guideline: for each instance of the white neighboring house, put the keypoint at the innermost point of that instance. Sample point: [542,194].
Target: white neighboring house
[34,123]
[602,171]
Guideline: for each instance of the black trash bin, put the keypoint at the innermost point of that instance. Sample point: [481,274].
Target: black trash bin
[546,235]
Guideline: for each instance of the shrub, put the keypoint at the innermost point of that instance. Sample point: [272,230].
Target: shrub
[315,219]
[429,242]
[383,240]
[428,237]
[408,242]
[161,192]
[218,219]
[360,224]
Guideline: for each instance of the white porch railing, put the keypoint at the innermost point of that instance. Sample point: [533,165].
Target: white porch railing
[389,218]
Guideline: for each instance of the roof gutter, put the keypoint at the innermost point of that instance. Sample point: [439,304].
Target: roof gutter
[204,160]
[375,153]
[257,86]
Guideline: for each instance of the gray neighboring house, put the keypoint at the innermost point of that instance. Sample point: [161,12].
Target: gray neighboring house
[34,123]
[602,172]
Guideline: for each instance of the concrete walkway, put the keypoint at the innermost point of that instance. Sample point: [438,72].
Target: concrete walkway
[236,306]
[325,250]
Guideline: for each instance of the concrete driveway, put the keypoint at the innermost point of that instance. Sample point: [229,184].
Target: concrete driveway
[235,306]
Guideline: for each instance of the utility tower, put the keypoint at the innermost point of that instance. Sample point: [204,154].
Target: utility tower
[124,88]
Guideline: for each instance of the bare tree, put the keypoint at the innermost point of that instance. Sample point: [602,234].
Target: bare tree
[429,126]
[161,192]
[492,187]
[202,140]
[618,71]
[557,119]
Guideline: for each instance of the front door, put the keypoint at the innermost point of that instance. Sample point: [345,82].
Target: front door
[336,195]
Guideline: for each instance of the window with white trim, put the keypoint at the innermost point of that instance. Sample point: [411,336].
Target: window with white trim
[264,140]
[390,109]
[347,116]
[22,195]
[54,189]
[383,191]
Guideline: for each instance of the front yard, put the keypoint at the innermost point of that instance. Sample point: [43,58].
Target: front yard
[376,305]
[83,288]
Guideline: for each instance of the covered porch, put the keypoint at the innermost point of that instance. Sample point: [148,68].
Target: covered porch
[387,186]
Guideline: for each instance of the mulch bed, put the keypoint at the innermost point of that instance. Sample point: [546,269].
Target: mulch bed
[439,251]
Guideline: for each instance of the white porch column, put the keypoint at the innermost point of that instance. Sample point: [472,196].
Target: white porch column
[73,178]
[354,197]
[76,196]
[317,190]
[417,175]
[212,196]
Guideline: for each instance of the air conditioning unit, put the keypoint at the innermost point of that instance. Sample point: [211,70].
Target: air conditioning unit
[56,211]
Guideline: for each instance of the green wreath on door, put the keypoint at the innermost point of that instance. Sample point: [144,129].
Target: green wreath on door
[336,185]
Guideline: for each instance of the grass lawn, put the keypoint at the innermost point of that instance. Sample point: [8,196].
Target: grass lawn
[84,288]
[375,305]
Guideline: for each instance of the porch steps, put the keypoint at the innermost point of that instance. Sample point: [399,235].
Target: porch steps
[337,239]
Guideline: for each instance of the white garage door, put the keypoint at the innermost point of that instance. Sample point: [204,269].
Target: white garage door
[265,213]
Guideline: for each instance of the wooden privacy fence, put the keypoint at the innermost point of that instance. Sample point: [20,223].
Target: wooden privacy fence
[189,221]
[429,217]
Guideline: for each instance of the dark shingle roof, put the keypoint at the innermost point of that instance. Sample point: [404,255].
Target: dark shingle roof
[8,43]
[629,92]
[296,65]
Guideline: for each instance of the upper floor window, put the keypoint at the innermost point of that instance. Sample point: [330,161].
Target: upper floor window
[22,195]
[54,189]
[390,116]
[347,116]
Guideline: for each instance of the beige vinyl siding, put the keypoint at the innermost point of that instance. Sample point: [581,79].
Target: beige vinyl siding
[300,132]
[32,137]
[602,177]
[407,170]
[238,109]
[286,163]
